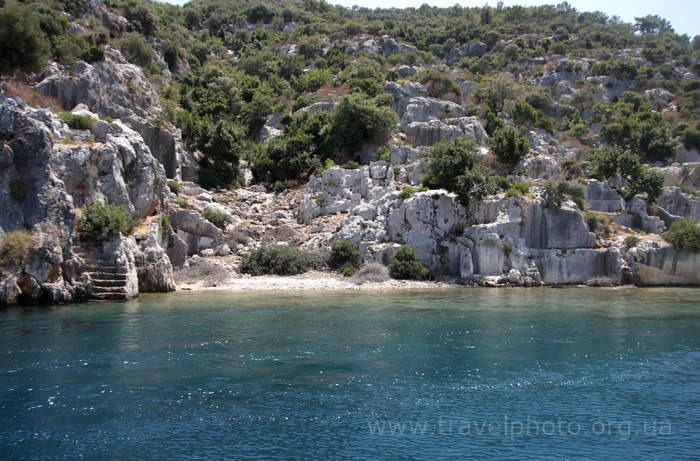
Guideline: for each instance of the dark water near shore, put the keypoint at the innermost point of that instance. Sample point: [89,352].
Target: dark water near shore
[473,373]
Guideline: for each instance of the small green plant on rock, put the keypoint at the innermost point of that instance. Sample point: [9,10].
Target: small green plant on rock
[217,218]
[103,220]
[408,192]
[281,186]
[174,187]
[631,241]
[183,203]
[15,247]
[406,264]
[78,122]
[507,248]
[351,165]
[348,271]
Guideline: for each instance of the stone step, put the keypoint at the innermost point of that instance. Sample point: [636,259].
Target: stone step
[108,283]
[97,290]
[104,269]
[108,276]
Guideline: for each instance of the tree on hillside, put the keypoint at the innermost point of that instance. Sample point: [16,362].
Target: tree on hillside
[23,45]
[359,119]
[454,166]
[622,170]
[509,145]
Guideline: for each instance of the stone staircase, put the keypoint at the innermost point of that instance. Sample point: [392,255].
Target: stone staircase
[107,280]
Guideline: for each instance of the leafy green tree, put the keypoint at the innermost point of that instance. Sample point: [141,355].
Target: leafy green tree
[509,145]
[406,265]
[623,170]
[496,91]
[359,119]
[23,45]
[222,146]
[454,166]
[136,49]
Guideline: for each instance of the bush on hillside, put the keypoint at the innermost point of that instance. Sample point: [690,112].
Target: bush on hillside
[344,252]
[217,218]
[406,264]
[103,220]
[15,247]
[275,260]
[684,235]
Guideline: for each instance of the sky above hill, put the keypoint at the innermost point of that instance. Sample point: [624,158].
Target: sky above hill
[684,15]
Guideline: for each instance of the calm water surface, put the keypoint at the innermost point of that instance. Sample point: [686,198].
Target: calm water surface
[473,373]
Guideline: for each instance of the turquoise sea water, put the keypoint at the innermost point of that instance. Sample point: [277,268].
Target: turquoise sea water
[472,373]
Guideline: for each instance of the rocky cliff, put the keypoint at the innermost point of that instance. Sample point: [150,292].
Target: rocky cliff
[48,173]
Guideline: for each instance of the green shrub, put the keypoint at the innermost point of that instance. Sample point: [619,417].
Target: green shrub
[555,192]
[103,220]
[351,165]
[281,186]
[684,235]
[164,226]
[174,187]
[592,221]
[513,193]
[384,154]
[275,260]
[136,49]
[15,247]
[348,271]
[344,252]
[78,122]
[631,241]
[507,248]
[408,192]
[502,182]
[509,145]
[406,264]
[519,188]
[23,45]
[331,182]
[217,218]
[454,166]
[183,203]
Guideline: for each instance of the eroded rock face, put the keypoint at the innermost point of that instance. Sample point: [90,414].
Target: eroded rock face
[154,271]
[42,184]
[122,170]
[427,120]
[600,196]
[338,190]
[681,205]
[196,232]
[656,264]
[518,239]
[111,87]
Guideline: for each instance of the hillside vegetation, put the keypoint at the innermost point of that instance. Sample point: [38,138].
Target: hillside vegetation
[224,67]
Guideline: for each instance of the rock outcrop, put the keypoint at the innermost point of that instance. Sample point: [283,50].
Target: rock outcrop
[42,185]
[114,88]
[655,265]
